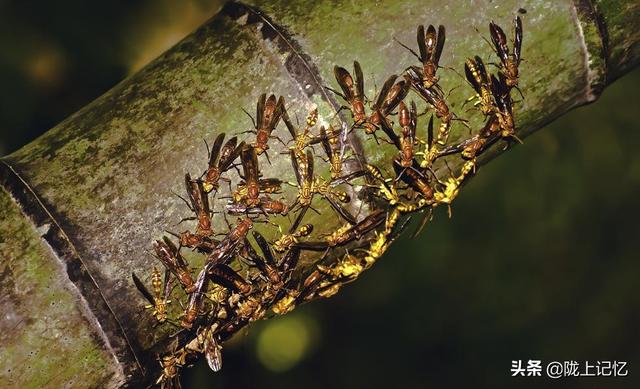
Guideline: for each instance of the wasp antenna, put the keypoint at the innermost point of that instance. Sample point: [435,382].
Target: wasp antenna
[250,117]
[207,146]
[172,233]
[408,48]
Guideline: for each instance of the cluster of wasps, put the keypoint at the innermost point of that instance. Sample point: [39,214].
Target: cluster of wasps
[245,276]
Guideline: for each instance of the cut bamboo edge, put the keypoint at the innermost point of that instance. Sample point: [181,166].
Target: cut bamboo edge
[132,355]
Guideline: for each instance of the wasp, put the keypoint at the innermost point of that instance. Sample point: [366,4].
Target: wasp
[266,205]
[352,93]
[476,145]
[332,135]
[452,185]
[334,151]
[169,379]
[158,300]
[301,139]
[308,185]
[388,99]
[380,244]
[224,251]
[289,262]
[326,281]
[430,45]
[346,233]
[266,264]
[313,284]
[345,270]
[304,177]
[390,194]
[291,237]
[510,61]
[266,185]
[408,121]
[224,275]
[268,114]
[385,191]
[250,188]
[431,151]
[194,303]
[249,308]
[222,254]
[479,79]
[220,160]
[212,350]
[437,101]
[415,179]
[199,204]
[171,258]
[276,273]
[286,303]
[504,104]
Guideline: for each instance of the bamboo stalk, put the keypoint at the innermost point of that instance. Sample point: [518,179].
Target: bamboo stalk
[81,204]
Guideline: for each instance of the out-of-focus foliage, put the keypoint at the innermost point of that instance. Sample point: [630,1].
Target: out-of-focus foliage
[58,56]
[540,259]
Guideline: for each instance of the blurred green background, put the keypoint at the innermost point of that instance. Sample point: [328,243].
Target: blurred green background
[540,259]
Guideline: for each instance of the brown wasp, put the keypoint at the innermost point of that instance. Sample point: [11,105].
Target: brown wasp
[476,145]
[224,275]
[509,61]
[437,101]
[266,264]
[291,237]
[194,304]
[408,122]
[316,284]
[388,99]
[223,253]
[308,185]
[277,274]
[415,179]
[430,46]
[199,204]
[158,301]
[220,160]
[268,114]
[249,189]
[266,206]
[478,77]
[352,93]
[408,119]
[504,106]
[346,234]
[171,258]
